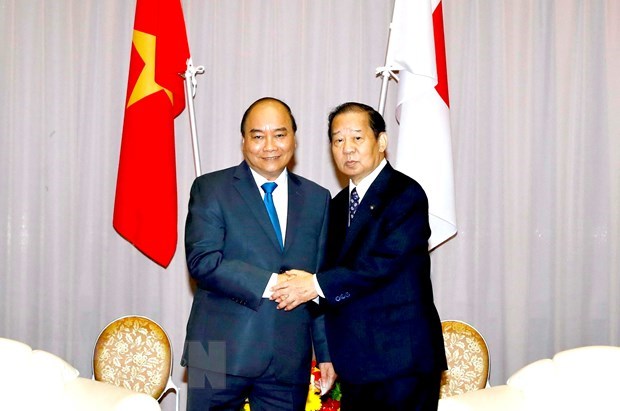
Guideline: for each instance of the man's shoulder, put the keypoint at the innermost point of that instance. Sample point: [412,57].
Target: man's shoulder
[223,175]
[395,188]
[398,181]
[307,185]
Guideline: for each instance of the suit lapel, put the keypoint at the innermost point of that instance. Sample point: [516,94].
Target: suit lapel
[245,184]
[369,208]
[294,214]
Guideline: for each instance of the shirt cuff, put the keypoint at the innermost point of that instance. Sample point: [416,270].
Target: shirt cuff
[273,280]
[317,288]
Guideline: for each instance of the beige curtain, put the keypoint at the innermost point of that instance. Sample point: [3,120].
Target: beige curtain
[534,95]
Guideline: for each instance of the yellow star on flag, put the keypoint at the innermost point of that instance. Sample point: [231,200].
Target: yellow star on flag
[145,45]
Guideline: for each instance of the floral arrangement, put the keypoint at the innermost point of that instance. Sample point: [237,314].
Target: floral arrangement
[330,401]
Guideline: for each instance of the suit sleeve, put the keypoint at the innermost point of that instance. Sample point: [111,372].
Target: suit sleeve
[396,240]
[205,234]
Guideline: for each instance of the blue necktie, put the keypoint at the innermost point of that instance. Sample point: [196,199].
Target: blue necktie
[353,203]
[271,209]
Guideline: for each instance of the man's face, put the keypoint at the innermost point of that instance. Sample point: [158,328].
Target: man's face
[268,139]
[355,149]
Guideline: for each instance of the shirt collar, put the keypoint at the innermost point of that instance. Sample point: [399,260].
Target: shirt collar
[366,182]
[281,181]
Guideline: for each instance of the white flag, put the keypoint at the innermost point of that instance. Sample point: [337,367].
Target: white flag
[424,151]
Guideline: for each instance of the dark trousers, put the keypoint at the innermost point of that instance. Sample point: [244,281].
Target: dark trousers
[419,392]
[209,391]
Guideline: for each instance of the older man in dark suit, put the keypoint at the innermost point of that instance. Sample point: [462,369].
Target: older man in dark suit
[245,225]
[383,329]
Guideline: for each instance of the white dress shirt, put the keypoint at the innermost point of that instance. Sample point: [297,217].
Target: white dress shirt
[280,201]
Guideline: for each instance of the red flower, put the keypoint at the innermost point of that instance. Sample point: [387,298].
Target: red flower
[330,405]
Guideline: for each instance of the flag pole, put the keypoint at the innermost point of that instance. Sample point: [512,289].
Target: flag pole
[190,92]
[384,87]
[386,72]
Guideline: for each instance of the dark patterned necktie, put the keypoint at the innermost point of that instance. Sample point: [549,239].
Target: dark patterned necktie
[354,202]
[271,210]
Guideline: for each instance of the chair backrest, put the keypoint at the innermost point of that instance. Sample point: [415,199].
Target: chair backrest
[134,352]
[468,359]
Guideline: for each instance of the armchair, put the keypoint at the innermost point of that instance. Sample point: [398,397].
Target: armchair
[468,359]
[134,352]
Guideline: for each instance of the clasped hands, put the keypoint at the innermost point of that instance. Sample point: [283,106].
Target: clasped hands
[296,287]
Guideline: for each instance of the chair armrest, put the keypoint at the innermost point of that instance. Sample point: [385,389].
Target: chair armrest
[82,394]
[500,397]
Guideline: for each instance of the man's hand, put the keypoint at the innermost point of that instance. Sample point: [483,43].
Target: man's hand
[284,277]
[328,376]
[299,289]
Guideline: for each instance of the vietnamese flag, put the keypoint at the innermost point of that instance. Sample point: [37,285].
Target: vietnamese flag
[145,208]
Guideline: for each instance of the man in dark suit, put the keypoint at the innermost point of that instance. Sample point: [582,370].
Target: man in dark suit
[383,329]
[238,345]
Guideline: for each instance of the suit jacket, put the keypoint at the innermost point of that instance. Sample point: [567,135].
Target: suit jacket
[232,250]
[381,320]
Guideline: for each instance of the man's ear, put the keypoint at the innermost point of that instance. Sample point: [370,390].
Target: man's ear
[383,141]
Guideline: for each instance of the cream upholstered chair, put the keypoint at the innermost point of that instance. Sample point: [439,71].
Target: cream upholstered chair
[468,359]
[134,352]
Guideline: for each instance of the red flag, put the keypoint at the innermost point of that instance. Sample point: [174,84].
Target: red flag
[145,208]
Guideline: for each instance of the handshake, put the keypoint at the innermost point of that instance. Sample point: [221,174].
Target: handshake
[294,287]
